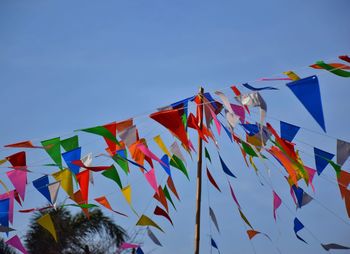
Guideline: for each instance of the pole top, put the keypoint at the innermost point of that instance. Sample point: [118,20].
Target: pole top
[201,89]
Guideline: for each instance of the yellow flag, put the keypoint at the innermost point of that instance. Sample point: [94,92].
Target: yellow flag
[127,193]
[161,145]
[65,177]
[2,161]
[46,222]
[146,221]
[292,75]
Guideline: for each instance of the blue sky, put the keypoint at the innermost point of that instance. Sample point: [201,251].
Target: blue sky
[65,65]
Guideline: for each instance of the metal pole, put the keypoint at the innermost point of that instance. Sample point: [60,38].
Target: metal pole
[199,174]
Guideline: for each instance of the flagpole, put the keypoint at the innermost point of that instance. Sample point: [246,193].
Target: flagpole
[199,174]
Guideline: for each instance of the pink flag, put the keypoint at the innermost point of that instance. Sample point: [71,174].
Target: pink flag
[16,243]
[234,196]
[217,124]
[276,203]
[151,178]
[18,178]
[311,173]
[148,153]
[11,196]
[239,111]
[129,246]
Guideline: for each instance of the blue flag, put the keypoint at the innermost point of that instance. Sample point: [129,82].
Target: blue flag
[70,156]
[41,184]
[297,227]
[225,168]
[4,212]
[165,159]
[288,131]
[321,159]
[246,85]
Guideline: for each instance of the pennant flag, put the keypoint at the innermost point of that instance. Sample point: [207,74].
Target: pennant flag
[251,233]
[175,149]
[171,119]
[212,181]
[307,90]
[216,121]
[321,159]
[288,131]
[95,169]
[125,246]
[87,160]
[53,190]
[231,117]
[345,58]
[18,178]
[81,203]
[5,229]
[207,154]
[246,85]
[332,69]
[177,163]
[225,168]
[251,129]
[277,201]
[153,237]
[121,159]
[83,180]
[149,154]
[161,145]
[71,156]
[213,218]
[297,227]
[102,131]
[4,212]
[291,75]
[239,111]
[213,244]
[146,221]
[24,144]
[126,191]
[41,184]
[17,160]
[343,151]
[112,174]
[151,179]
[334,246]
[171,186]
[53,148]
[129,135]
[334,65]
[139,251]
[234,196]
[168,197]
[160,212]
[244,218]
[166,165]
[16,243]
[65,178]
[160,196]
[70,144]
[46,222]
[104,201]
[311,173]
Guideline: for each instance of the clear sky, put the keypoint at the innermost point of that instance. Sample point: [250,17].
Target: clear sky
[65,65]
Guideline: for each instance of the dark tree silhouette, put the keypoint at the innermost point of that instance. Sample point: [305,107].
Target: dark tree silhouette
[76,233]
[5,249]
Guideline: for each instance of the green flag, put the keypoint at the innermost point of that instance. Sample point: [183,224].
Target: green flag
[112,174]
[53,148]
[70,143]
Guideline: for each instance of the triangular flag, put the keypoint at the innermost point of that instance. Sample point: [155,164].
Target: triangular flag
[83,180]
[168,197]
[175,149]
[225,168]
[212,181]
[53,189]
[41,184]
[125,246]
[213,218]
[18,178]
[213,244]
[153,237]
[70,143]
[251,233]
[161,145]
[23,144]
[4,212]
[288,131]
[277,201]
[6,229]
[160,196]
[126,191]
[171,186]
[102,131]
[234,196]
[53,148]
[160,212]
[334,246]
[65,177]
[336,71]
[292,75]
[244,218]
[177,163]
[307,90]
[70,156]
[151,179]
[146,221]
[17,160]
[321,159]
[46,222]
[297,227]
[207,154]
[343,151]
[104,201]
[112,174]
[16,243]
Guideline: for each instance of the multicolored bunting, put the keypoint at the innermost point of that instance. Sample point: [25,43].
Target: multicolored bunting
[343,151]
[225,168]
[18,160]
[335,70]
[302,197]
[322,159]
[288,131]
[146,221]
[83,179]
[307,90]
[153,237]
[151,179]
[175,149]
[165,165]
[160,196]
[212,181]
[213,218]
[46,222]
[246,85]
[277,201]
[16,243]
[297,227]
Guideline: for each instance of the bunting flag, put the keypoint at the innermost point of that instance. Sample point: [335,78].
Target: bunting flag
[288,131]
[334,246]
[302,197]
[175,149]
[146,221]
[5,229]
[139,251]
[149,154]
[335,70]
[53,149]
[311,173]
[307,90]
[23,144]
[153,237]
[102,131]
[244,218]
[254,99]
[246,85]
[95,169]
[87,160]
[171,186]
[4,212]
[228,132]
[292,75]
[322,159]
[112,174]
[168,197]
[65,178]
[160,212]
[177,163]
[41,184]
[171,119]
[207,154]
[234,196]
[231,117]
[46,222]
[104,201]
[70,144]
[129,135]
[251,233]
[151,179]
[297,227]
[16,243]
[161,145]
[216,121]
[277,201]
[53,190]
[239,111]
[18,179]
[81,203]
[212,181]
[125,246]
[165,165]
[17,160]
[71,156]
[213,244]
[225,168]
[345,58]
[83,180]
[121,159]
[11,196]
[160,196]
[213,218]
[126,191]
[343,151]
